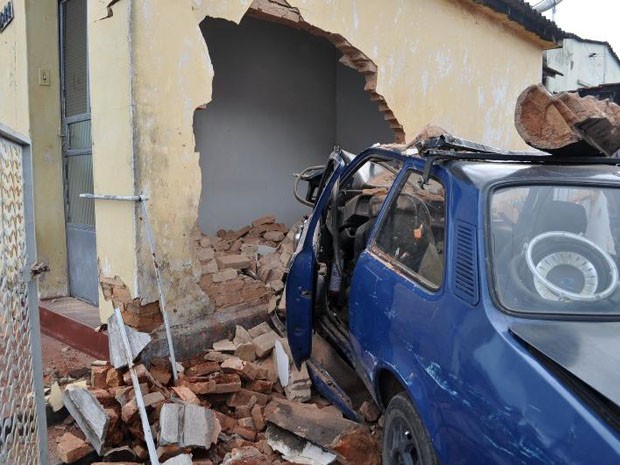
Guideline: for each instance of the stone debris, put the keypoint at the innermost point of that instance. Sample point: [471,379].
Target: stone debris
[351,442]
[90,415]
[246,266]
[296,450]
[224,409]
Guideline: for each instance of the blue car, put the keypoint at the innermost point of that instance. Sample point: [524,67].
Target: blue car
[475,293]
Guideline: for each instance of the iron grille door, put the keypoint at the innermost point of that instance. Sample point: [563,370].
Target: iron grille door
[23,436]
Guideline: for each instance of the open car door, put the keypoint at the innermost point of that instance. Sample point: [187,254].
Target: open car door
[304,284]
[301,281]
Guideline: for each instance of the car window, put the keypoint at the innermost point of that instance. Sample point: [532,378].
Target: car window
[555,248]
[359,200]
[412,232]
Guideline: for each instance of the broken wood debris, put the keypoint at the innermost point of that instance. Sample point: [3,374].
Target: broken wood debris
[567,124]
[223,410]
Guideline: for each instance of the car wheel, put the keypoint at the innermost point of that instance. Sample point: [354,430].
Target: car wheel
[405,440]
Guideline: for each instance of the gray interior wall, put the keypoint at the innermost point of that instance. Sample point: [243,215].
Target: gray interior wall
[359,123]
[273,112]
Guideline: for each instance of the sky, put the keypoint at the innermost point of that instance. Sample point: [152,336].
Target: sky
[589,19]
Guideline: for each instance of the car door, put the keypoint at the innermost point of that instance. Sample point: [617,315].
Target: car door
[301,287]
[301,280]
[398,282]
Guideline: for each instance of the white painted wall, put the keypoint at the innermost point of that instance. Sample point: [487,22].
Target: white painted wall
[584,64]
[280,103]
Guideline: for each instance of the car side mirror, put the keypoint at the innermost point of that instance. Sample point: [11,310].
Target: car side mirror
[312,176]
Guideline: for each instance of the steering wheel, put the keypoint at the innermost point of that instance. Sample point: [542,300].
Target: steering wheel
[570,267]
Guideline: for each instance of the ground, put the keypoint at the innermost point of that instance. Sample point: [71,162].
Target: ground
[61,358]
[61,361]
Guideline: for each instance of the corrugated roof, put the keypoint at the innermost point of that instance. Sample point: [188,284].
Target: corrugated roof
[522,13]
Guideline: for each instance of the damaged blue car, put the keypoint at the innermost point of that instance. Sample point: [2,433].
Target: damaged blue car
[474,292]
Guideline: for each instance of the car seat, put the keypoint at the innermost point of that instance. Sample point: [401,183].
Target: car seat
[558,215]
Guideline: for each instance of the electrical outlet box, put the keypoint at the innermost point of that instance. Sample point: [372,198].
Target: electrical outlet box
[44,77]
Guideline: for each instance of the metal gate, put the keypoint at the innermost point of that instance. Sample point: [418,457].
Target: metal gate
[23,436]
[77,152]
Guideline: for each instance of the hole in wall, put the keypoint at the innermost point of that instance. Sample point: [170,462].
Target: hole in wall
[282,98]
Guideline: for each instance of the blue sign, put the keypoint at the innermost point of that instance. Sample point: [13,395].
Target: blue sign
[6,15]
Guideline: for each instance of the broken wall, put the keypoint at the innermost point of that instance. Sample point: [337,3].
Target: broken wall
[273,113]
[359,124]
[445,62]
[280,102]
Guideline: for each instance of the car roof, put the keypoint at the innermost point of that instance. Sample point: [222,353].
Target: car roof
[486,173]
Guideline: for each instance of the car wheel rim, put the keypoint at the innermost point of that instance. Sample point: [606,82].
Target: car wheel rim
[403,447]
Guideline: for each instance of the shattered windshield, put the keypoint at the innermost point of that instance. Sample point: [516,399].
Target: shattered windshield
[555,249]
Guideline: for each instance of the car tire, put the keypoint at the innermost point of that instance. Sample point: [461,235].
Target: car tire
[405,439]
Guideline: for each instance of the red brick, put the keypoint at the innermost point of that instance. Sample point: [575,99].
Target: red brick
[71,448]
[268,219]
[235,262]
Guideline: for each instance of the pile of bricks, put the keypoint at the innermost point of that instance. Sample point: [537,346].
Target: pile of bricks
[246,266]
[227,407]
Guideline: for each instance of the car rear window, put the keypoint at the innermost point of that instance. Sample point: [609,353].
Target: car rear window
[555,248]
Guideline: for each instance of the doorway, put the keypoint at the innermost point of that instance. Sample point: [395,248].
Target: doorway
[77,152]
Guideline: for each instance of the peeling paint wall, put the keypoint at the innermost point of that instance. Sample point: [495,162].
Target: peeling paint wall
[110,68]
[442,62]
[171,78]
[14,72]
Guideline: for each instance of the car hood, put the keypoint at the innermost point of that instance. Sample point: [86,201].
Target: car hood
[588,350]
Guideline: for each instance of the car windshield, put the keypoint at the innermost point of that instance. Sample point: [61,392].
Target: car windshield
[555,249]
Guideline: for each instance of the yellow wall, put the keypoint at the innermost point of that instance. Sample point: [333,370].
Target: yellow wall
[29,43]
[45,129]
[442,62]
[109,42]
[172,76]
[14,72]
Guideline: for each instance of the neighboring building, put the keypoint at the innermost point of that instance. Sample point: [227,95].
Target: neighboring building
[259,89]
[580,63]
[609,92]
